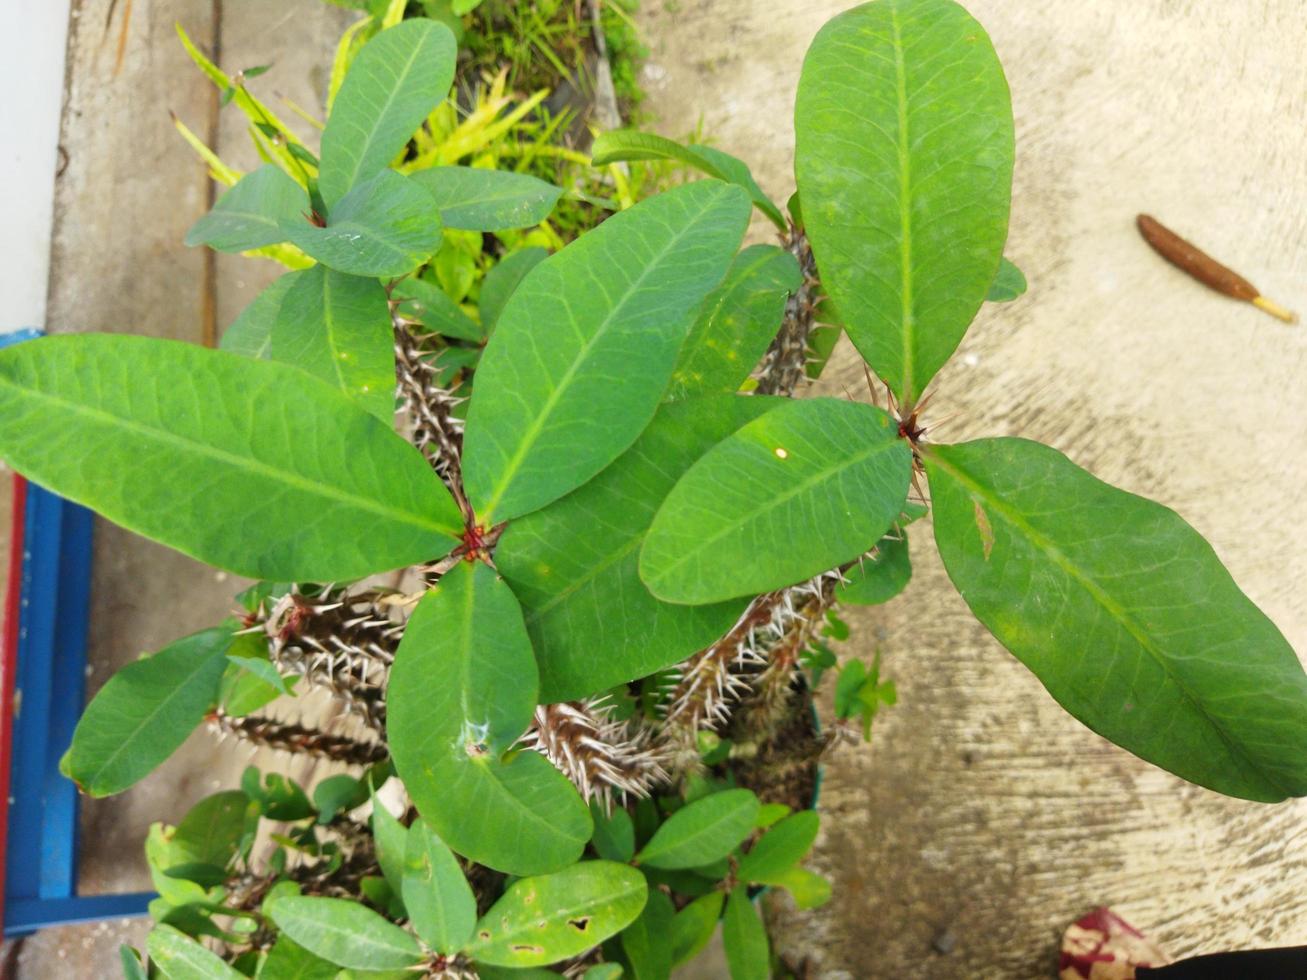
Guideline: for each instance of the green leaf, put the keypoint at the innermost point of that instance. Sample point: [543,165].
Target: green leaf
[391,839]
[338,794]
[622,145]
[131,963]
[385,226]
[252,213]
[486,972]
[693,926]
[431,306]
[575,564]
[782,847]
[549,918]
[438,898]
[288,960]
[853,675]
[345,933]
[614,834]
[503,279]
[903,154]
[736,323]
[702,832]
[394,83]
[298,483]
[250,334]
[256,662]
[179,957]
[477,199]
[211,831]
[770,813]
[1125,614]
[808,889]
[240,691]
[808,486]
[1007,285]
[549,413]
[144,713]
[879,579]
[644,941]
[745,938]
[604,971]
[447,739]
[337,328]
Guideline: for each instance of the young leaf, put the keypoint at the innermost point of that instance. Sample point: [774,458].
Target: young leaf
[431,305]
[808,889]
[391,839]
[385,226]
[592,621]
[438,898]
[549,918]
[1007,285]
[394,83]
[338,794]
[702,832]
[476,199]
[299,483]
[745,938]
[547,414]
[503,278]
[345,933]
[131,963]
[879,579]
[144,713]
[693,926]
[644,941]
[614,833]
[252,213]
[604,971]
[337,327]
[619,145]
[288,960]
[903,155]
[736,323]
[782,847]
[179,957]
[447,739]
[809,485]
[1125,614]
[250,334]
[211,831]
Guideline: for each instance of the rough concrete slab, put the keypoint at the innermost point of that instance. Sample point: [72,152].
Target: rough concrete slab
[983,818]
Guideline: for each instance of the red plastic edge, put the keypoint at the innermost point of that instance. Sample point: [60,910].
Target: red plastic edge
[8,667]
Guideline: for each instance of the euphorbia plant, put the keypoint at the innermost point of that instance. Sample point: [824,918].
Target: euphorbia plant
[621,561]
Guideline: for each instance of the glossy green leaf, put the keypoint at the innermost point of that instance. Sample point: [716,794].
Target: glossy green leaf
[903,154]
[556,400]
[385,226]
[621,145]
[782,847]
[808,486]
[604,971]
[545,919]
[736,323]
[808,889]
[288,960]
[144,713]
[503,279]
[477,199]
[614,833]
[179,957]
[745,938]
[574,564]
[644,941]
[345,933]
[337,328]
[1125,614]
[250,334]
[1007,285]
[393,84]
[252,213]
[521,816]
[693,927]
[431,306]
[701,832]
[438,898]
[881,578]
[211,831]
[337,795]
[248,465]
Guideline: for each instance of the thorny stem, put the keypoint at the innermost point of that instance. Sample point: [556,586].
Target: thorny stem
[290,737]
[784,363]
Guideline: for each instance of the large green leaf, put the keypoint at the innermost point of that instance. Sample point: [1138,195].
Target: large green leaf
[620,145]
[736,323]
[702,832]
[693,927]
[745,938]
[249,465]
[345,933]
[252,213]
[385,226]
[1125,614]
[179,957]
[447,739]
[477,199]
[781,848]
[251,332]
[903,154]
[557,398]
[438,898]
[549,918]
[645,943]
[394,83]
[337,327]
[808,486]
[574,564]
[144,713]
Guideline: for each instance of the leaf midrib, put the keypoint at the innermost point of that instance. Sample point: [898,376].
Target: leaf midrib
[905,212]
[690,839]
[365,939]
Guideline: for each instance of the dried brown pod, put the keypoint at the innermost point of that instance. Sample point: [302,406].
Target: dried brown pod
[1187,257]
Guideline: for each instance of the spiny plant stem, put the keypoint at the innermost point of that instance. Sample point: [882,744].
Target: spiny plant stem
[436,432]
[784,363]
[290,737]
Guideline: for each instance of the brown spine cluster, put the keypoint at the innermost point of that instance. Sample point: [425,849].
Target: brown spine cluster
[784,363]
[429,409]
[290,737]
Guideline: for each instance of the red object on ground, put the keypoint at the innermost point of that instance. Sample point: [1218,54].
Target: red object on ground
[1103,946]
[8,668]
